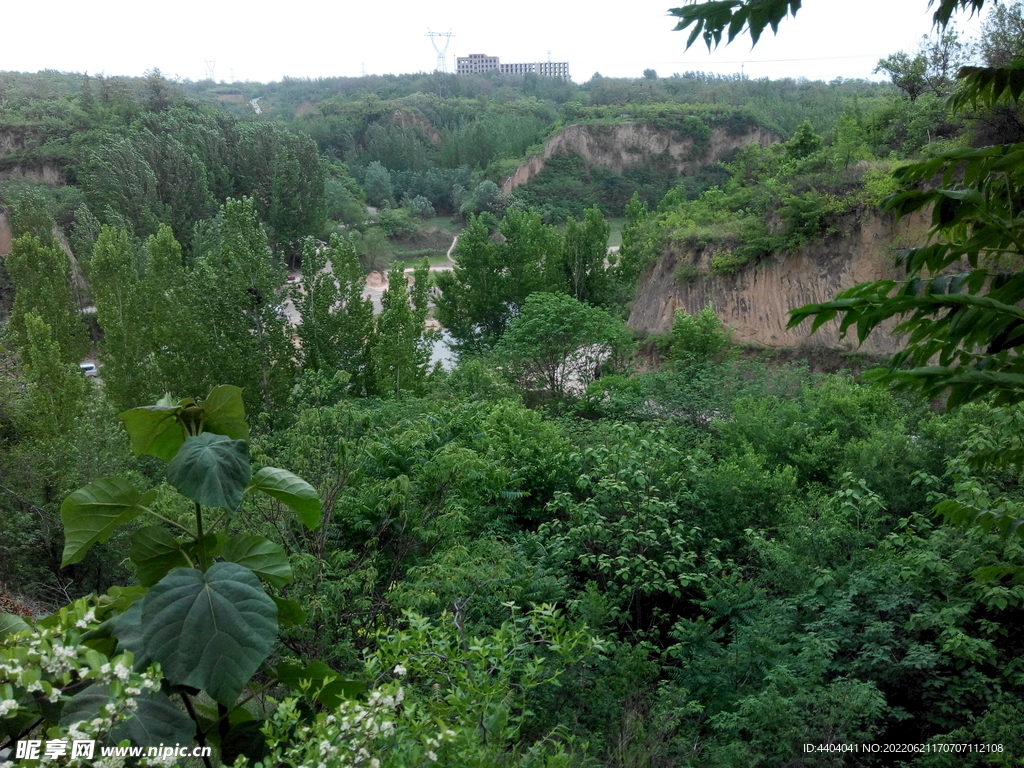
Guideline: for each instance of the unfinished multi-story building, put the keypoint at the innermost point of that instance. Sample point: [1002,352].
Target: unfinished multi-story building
[476,63]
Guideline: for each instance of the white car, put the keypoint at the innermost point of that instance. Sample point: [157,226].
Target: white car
[88,369]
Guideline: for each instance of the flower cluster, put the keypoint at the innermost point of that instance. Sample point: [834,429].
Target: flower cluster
[357,734]
[49,660]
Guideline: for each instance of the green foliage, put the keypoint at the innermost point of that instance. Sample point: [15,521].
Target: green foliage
[561,344]
[208,625]
[209,629]
[490,281]
[400,348]
[336,319]
[710,19]
[377,184]
[626,529]
[698,338]
[582,268]
[40,273]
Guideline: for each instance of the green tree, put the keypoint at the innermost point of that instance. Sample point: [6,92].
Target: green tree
[584,254]
[56,388]
[400,348]
[490,280]
[804,143]
[1002,35]
[336,320]
[127,374]
[40,273]
[377,184]
[906,72]
[561,344]
[700,337]
[238,306]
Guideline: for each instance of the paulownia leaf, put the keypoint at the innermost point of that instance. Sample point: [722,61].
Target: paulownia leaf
[126,629]
[211,469]
[261,556]
[209,630]
[154,430]
[155,719]
[155,552]
[91,514]
[289,612]
[290,490]
[224,412]
[9,624]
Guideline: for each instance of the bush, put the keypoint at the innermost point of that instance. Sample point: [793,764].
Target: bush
[419,206]
[396,222]
[699,337]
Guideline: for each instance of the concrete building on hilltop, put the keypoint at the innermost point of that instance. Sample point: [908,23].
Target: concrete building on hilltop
[476,63]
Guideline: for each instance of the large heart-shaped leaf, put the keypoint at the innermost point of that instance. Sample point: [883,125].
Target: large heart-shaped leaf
[261,556]
[126,629]
[9,624]
[155,719]
[154,430]
[290,490]
[91,514]
[155,552]
[209,630]
[224,412]
[212,469]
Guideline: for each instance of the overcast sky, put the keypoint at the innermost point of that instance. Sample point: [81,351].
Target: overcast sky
[304,38]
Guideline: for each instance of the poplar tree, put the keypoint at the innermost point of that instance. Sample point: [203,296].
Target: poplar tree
[583,258]
[56,388]
[123,352]
[40,273]
[400,349]
[237,287]
[336,320]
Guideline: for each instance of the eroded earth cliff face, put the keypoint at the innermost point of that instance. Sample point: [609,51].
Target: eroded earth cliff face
[15,139]
[617,147]
[755,301]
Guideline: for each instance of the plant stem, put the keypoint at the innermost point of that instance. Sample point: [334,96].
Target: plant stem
[169,522]
[199,536]
[200,736]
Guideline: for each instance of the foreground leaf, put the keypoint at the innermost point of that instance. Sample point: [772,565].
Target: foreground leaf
[224,412]
[9,624]
[154,430]
[155,552]
[209,630]
[261,556]
[212,469]
[155,720]
[292,491]
[91,514]
[289,612]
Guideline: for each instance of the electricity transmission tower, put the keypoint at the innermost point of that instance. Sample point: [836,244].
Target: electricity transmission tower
[442,59]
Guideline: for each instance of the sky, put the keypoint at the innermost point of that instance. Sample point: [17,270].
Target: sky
[236,41]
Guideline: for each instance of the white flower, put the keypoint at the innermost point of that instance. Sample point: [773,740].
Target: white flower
[399,670]
[7,706]
[432,756]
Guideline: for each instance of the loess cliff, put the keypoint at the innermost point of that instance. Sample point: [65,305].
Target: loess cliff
[755,301]
[617,147]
